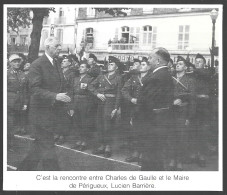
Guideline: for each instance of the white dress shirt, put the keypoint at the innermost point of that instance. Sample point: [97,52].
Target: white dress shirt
[50,58]
[159,68]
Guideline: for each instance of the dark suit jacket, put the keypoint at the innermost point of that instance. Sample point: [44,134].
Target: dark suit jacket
[45,81]
[157,92]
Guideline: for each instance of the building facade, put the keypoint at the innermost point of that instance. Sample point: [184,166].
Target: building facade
[181,31]
[60,24]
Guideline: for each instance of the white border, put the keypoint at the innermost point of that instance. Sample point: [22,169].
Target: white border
[209,180]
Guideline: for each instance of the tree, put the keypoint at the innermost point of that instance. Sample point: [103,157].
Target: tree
[113,11]
[20,17]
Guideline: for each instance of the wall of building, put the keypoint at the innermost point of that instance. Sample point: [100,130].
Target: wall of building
[167,30]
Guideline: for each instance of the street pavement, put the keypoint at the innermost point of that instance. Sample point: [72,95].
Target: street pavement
[74,160]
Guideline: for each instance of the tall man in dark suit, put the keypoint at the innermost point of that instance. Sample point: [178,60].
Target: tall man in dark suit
[155,101]
[46,106]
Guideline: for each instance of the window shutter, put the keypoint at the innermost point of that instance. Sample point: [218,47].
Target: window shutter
[132,30]
[144,38]
[116,33]
[137,34]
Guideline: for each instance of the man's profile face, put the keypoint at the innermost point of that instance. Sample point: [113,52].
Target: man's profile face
[153,58]
[90,61]
[199,63]
[112,67]
[144,67]
[65,63]
[180,66]
[136,66]
[83,68]
[54,49]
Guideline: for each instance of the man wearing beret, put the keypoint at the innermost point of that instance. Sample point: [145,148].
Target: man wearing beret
[80,106]
[191,68]
[74,67]
[184,111]
[202,117]
[126,106]
[107,88]
[155,114]
[130,92]
[95,70]
[17,97]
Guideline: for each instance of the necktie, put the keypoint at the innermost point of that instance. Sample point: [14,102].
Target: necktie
[55,64]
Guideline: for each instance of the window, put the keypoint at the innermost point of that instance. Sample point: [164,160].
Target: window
[150,35]
[124,34]
[90,12]
[148,10]
[116,36]
[134,34]
[60,35]
[13,40]
[23,40]
[183,37]
[61,12]
[89,35]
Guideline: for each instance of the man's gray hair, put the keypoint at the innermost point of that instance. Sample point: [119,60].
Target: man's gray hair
[163,53]
[50,41]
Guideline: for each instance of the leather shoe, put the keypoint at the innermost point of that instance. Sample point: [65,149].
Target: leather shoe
[107,154]
[82,147]
[179,167]
[108,151]
[191,160]
[99,151]
[140,160]
[132,159]
[61,140]
[171,168]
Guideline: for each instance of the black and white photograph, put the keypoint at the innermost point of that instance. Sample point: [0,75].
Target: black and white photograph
[115,90]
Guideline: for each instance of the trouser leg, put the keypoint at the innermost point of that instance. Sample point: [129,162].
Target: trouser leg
[42,150]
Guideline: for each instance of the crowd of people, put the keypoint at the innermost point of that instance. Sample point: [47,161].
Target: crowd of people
[163,108]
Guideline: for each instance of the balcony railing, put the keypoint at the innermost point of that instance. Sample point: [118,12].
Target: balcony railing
[17,48]
[124,46]
[60,20]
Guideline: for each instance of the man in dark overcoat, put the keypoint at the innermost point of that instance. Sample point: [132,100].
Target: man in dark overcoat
[46,83]
[155,101]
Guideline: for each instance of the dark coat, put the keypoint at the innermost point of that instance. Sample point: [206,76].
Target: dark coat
[157,92]
[45,81]
[17,91]
[186,94]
